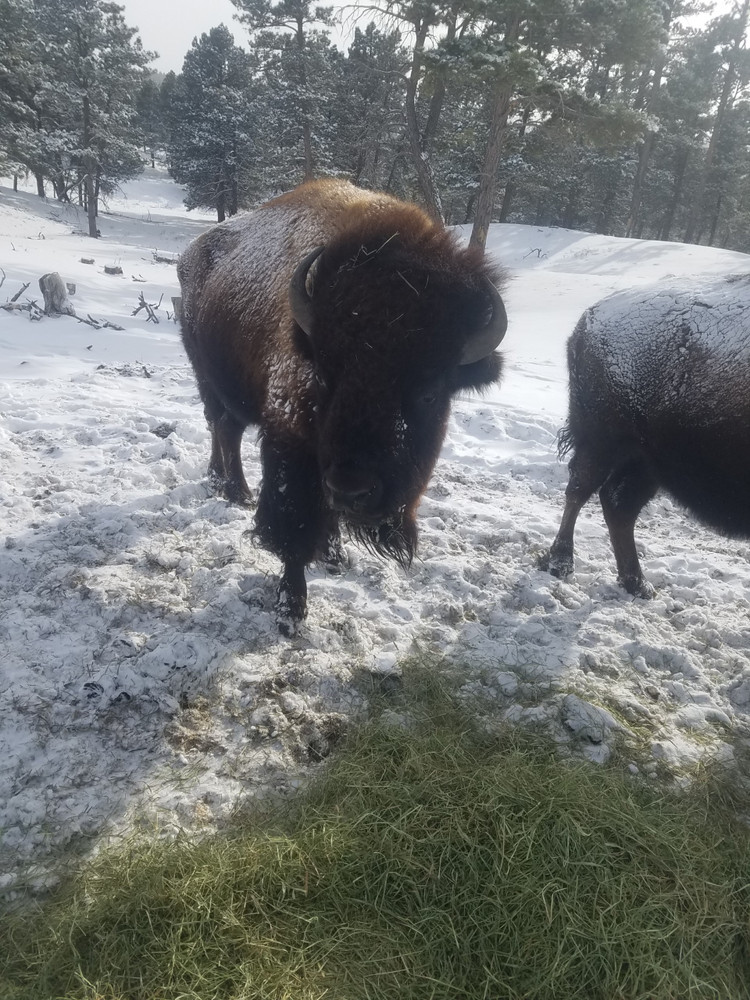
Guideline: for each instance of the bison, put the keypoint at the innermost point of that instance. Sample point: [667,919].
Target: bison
[659,399]
[341,322]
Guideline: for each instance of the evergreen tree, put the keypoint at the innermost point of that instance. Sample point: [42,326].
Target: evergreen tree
[23,80]
[212,113]
[153,125]
[69,95]
[369,123]
[299,68]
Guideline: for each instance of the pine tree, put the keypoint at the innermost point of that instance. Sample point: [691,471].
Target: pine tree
[211,149]
[23,78]
[152,124]
[368,119]
[298,65]
[70,93]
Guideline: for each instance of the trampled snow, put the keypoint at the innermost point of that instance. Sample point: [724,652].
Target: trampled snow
[143,681]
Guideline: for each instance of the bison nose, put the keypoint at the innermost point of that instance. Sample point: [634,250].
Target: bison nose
[352,490]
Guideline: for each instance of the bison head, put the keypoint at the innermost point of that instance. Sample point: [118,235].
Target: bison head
[393,332]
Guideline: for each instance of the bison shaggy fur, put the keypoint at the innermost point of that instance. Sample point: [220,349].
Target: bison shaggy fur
[659,399]
[340,322]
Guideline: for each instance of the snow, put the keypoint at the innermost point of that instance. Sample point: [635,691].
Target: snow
[144,683]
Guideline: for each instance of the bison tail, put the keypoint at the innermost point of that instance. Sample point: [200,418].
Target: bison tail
[565,441]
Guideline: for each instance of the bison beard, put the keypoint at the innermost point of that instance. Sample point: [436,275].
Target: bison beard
[393,538]
[341,322]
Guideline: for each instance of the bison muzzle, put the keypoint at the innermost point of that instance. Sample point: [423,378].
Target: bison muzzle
[659,399]
[341,322]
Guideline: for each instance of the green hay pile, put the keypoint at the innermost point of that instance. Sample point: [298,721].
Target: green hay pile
[432,862]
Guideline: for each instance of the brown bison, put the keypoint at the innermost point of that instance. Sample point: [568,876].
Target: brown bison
[659,399]
[341,322]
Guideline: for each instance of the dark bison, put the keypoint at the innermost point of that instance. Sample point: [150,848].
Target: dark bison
[659,398]
[341,322]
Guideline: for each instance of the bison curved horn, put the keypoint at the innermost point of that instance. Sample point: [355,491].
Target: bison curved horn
[299,297]
[486,339]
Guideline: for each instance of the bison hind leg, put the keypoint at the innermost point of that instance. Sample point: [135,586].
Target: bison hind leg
[333,554]
[225,465]
[587,470]
[625,493]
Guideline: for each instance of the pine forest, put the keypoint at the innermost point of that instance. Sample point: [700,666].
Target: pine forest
[621,117]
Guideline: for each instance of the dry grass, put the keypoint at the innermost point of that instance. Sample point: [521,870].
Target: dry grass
[432,862]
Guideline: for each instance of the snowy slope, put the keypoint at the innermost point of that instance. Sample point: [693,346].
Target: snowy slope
[143,680]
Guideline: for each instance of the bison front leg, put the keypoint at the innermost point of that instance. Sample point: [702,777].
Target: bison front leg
[291,521]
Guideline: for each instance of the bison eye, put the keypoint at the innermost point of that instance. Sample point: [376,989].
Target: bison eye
[428,398]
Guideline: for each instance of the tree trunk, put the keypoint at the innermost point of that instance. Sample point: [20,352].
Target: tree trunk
[604,222]
[425,176]
[510,190]
[55,294]
[571,205]
[469,212]
[90,196]
[488,174]
[89,166]
[714,222]
[674,201]
[39,177]
[647,147]
[307,144]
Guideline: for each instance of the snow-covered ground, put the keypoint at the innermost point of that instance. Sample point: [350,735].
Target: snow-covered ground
[142,677]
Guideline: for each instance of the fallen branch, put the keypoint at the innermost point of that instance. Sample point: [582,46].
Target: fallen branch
[150,314]
[30,306]
[20,291]
[161,259]
[100,324]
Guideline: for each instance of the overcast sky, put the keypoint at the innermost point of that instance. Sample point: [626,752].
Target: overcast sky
[169,26]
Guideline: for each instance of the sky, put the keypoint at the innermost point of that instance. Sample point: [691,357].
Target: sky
[169,26]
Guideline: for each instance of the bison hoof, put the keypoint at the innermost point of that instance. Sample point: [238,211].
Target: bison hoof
[559,566]
[234,492]
[239,496]
[287,626]
[335,560]
[638,587]
[291,608]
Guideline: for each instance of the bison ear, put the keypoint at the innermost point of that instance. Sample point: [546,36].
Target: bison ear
[300,298]
[485,340]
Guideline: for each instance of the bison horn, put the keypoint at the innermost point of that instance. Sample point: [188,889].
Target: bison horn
[485,340]
[299,298]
